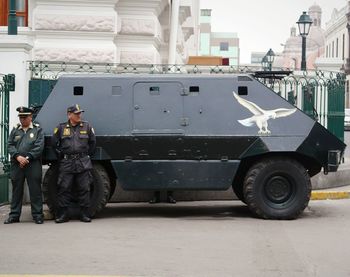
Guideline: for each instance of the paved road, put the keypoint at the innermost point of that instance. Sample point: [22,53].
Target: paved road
[187,239]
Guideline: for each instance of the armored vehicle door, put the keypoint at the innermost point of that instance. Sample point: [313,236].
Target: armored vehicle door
[158,108]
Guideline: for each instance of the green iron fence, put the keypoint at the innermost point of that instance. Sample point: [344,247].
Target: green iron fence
[319,94]
[6,85]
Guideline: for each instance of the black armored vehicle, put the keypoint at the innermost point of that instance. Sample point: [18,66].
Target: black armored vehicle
[194,132]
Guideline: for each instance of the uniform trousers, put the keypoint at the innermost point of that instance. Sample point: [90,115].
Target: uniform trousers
[81,180]
[32,173]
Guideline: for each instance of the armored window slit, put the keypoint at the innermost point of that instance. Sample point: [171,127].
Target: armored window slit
[194,90]
[243,90]
[154,91]
[116,90]
[78,90]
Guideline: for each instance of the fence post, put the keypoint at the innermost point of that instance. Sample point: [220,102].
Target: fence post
[7,84]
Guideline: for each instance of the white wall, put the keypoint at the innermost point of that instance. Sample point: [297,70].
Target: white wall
[15,51]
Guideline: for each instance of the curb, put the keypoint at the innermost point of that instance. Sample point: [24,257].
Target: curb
[324,195]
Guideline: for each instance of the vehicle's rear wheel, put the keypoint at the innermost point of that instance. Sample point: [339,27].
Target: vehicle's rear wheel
[277,188]
[99,190]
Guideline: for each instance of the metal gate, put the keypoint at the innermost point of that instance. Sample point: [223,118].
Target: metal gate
[321,95]
[39,90]
[7,84]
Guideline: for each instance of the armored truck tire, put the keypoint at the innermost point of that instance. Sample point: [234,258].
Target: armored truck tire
[99,190]
[277,188]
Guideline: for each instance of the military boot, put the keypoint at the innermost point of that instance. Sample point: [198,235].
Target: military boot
[63,216]
[85,215]
[170,197]
[11,220]
[155,198]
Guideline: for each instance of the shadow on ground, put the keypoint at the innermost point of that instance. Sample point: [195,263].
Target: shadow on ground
[197,211]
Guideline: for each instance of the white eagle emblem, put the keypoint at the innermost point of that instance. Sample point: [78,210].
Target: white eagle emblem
[260,116]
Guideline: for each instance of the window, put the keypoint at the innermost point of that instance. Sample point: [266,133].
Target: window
[242,90]
[194,90]
[78,90]
[154,91]
[21,12]
[116,90]
[205,12]
[223,46]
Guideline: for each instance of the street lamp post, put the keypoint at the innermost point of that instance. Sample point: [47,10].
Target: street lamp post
[304,24]
[264,63]
[270,55]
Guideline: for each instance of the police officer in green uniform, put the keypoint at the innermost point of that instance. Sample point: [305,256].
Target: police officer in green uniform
[74,142]
[26,143]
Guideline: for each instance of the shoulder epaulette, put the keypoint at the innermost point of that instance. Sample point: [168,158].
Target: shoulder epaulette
[36,124]
[17,126]
[82,123]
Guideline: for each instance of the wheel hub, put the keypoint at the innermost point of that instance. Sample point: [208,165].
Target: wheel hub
[278,189]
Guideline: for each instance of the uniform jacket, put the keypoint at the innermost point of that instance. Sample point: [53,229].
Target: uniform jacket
[69,140]
[28,144]
[74,140]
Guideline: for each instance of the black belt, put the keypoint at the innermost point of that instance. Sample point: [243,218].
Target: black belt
[74,156]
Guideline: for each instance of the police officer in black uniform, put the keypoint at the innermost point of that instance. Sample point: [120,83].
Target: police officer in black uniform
[26,144]
[74,142]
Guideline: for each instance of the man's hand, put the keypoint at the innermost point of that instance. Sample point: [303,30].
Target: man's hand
[22,161]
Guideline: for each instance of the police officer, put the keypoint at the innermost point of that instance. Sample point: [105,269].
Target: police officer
[26,143]
[74,142]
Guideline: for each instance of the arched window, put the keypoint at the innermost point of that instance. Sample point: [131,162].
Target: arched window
[21,12]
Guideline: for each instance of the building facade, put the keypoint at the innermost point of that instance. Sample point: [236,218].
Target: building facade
[315,44]
[225,45]
[336,41]
[336,55]
[88,31]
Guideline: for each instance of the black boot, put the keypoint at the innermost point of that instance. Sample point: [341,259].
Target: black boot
[156,197]
[63,216]
[11,220]
[38,220]
[170,197]
[84,215]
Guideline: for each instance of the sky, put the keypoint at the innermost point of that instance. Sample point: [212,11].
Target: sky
[263,24]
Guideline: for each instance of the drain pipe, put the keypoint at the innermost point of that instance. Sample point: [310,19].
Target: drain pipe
[174,22]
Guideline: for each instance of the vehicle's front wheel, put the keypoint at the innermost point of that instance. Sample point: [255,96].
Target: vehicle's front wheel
[99,190]
[277,188]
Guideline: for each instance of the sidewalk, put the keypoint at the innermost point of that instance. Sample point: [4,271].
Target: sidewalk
[331,193]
